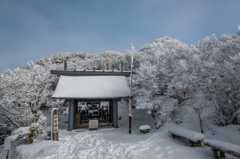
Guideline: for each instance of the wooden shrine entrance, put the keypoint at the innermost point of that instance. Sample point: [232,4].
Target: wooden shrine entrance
[91,86]
[106,117]
[94,110]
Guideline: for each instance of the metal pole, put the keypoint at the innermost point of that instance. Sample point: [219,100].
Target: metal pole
[130,99]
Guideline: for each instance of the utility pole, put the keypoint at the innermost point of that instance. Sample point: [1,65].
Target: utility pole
[130,99]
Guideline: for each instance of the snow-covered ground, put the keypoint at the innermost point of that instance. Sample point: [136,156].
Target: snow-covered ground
[110,143]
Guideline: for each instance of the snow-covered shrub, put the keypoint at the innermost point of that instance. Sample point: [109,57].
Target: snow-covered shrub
[29,133]
[57,103]
[21,134]
[221,119]
[177,115]
[236,117]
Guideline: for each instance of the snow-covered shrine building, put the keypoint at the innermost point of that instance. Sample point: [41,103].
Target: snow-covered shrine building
[91,86]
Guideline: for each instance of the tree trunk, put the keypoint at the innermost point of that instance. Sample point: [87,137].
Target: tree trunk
[30,139]
[200,123]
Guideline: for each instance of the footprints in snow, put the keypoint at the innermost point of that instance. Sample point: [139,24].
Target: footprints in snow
[88,145]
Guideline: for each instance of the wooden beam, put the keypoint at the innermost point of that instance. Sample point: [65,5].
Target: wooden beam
[91,100]
[91,73]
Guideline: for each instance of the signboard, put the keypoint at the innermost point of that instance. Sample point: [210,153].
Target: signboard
[95,104]
[54,124]
[7,144]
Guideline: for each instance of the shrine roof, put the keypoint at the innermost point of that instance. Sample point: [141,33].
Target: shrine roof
[91,87]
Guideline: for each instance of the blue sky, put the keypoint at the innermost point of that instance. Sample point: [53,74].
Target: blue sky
[33,29]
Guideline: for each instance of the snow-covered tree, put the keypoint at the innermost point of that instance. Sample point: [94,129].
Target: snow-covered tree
[218,75]
[172,70]
[24,91]
[151,87]
[215,71]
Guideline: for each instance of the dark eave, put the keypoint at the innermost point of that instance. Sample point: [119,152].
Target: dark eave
[91,73]
[91,100]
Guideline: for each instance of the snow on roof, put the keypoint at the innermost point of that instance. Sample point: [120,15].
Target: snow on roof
[91,87]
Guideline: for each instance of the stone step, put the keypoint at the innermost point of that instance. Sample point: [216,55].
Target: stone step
[86,121]
[86,125]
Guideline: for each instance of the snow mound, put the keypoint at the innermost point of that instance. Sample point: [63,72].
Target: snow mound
[144,127]
[188,134]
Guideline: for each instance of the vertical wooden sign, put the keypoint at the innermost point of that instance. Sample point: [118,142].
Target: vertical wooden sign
[7,146]
[54,115]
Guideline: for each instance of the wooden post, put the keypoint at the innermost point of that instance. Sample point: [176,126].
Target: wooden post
[55,125]
[130,125]
[199,143]
[7,154]
[130,117]
[78,118]
[191,143]
[222,154]
[215,153]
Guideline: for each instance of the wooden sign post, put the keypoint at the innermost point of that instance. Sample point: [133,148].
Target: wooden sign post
[7,146]
[54,119]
